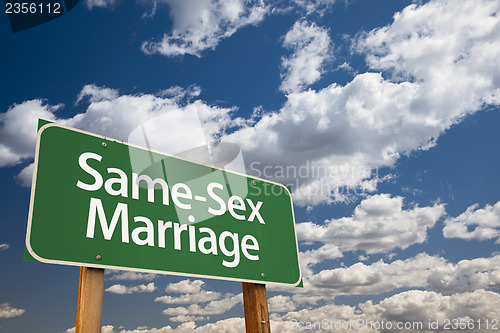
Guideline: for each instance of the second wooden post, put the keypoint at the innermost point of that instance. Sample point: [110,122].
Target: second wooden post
[89,308]
[255,305]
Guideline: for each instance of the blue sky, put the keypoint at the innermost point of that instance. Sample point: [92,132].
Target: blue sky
[389,107]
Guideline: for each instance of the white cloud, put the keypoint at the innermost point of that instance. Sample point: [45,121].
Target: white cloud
[222,305]
[485,222]
[312,257]
[183,318]
[215,307]
[185,327]
[422,271]
[193,294]
[466,275]
[109,114]
[130,276]
[18,130]
[117,116]
[99,3]
[315,6]
[201,296]
[185,286]
[339,135]
[7,311]
[229,325]
[448,46]
[199,24]
[97,94]
[311,50]
[363,258]
[121,289]
[289,321]
[412,307]
[437,63]
[422,306]
[379,277]
[180,93]
[25,177]
[104,329]
[379,224]
[4,247]
[281,303]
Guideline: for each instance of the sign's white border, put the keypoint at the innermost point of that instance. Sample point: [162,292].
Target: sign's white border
[72,263]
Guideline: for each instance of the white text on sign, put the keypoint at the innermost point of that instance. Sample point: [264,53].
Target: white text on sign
[203,239]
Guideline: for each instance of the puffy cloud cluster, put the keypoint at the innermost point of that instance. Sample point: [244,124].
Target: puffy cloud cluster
[413,308]
[311,50]
[121,289]
[99,3]
[195,312]
[422,271]
[112,115]
[376,278]
[449,48]
[128,275]
[424,306]
[7,311]
[229,325]
[185,286]
[435,63]
[193,294]
[378,224]
[466,275]
[104,329]
[201,297]
[433,74]
[314,6]
[18,130]
[475,223]
[280,303]
[200,25]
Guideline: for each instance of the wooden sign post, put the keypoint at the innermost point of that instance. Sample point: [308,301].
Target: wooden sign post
[89,308]
[255,306]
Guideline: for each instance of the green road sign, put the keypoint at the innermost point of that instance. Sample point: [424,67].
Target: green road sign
[100,202]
